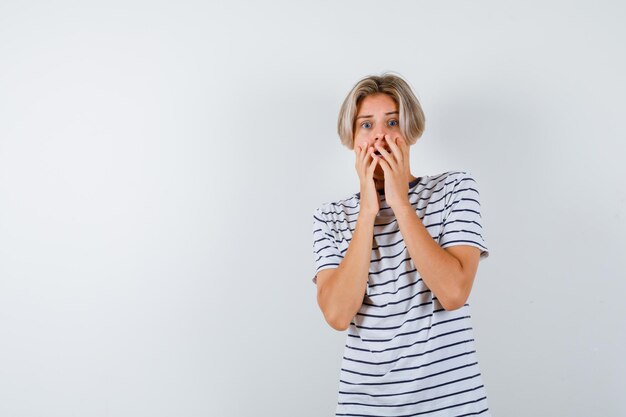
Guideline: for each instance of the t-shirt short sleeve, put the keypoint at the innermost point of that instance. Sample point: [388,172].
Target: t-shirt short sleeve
[326,253]
[462,221]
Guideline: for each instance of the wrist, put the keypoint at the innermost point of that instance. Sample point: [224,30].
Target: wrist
[367,215]
[402,208]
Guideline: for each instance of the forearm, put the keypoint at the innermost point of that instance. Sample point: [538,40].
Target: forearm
[342,296]
[439,270]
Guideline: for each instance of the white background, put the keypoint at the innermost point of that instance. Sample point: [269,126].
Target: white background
[160,164]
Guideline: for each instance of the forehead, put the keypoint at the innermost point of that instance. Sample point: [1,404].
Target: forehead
[375,103]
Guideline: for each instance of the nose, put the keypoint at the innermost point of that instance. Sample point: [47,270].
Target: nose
[379,136]
[381,132]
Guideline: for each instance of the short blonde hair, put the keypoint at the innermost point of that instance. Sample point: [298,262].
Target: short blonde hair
[412,119]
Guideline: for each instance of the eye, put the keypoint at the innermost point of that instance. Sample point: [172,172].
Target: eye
[366,125]
[393,122]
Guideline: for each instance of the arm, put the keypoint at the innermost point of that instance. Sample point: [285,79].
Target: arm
[448,273]
[340,292]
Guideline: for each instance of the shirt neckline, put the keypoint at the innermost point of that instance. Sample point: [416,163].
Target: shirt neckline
[382,191]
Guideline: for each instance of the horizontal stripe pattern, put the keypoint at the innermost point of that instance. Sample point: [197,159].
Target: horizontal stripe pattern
[405,355]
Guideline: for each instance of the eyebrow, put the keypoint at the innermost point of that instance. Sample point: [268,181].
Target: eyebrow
[370,115]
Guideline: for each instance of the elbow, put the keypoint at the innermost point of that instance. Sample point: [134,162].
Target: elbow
[336,322]
[339,325]
[456,295]
[454,301]
[334,316]
[452,305]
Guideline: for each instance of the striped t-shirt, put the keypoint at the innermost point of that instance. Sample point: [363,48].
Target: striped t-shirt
[405,354]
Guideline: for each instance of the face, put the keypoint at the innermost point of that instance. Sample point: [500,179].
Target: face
[377,116]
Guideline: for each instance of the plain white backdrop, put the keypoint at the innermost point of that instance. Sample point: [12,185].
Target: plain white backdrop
[160,163]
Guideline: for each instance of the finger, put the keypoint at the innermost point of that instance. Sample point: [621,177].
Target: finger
[360,152]
[370,152]
[372,167]
[372,155]
[401,142]
[403,145]
[386,155]
[385,165]
[360,164]
[361,157]
[397,152]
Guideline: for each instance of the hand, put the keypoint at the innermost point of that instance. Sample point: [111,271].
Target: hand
[365,166]
[396,168]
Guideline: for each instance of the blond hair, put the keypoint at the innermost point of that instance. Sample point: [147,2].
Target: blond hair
[412,119]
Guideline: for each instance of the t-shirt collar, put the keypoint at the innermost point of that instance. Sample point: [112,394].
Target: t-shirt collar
[382,191]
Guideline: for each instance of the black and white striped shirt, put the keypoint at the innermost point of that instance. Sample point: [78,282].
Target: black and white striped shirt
[405,354]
